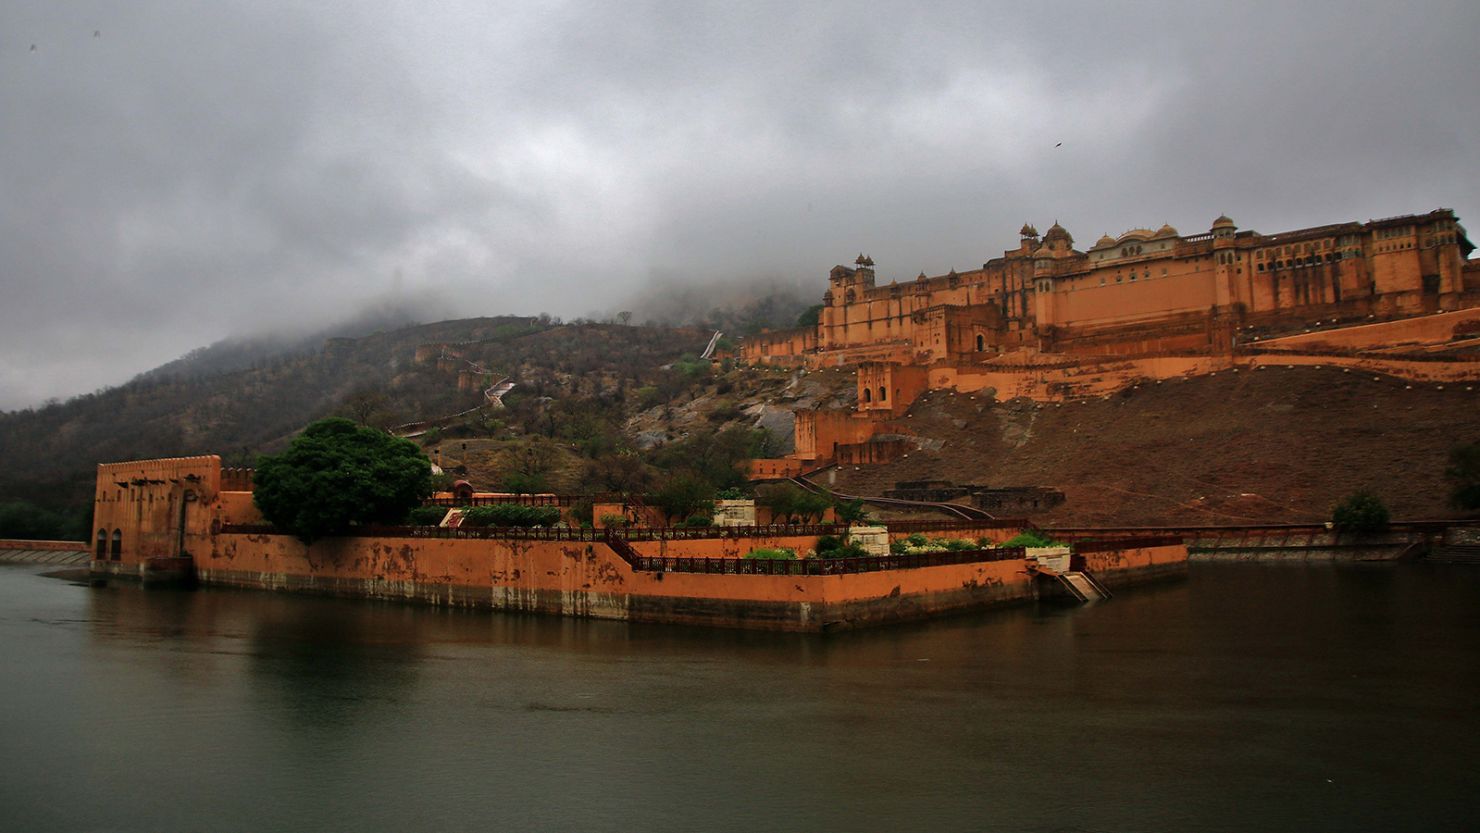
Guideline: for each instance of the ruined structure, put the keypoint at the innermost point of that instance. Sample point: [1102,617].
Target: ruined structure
[1050,322]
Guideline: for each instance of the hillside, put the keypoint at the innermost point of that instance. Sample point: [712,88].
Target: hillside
[1267,446]
[50,452]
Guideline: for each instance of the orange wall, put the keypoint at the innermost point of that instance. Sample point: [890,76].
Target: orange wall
[1426,329]
[569,577]
[143,500]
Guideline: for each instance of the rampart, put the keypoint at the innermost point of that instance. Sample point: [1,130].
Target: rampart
[168,517]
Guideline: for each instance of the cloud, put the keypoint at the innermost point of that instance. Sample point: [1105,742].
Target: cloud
[210,169]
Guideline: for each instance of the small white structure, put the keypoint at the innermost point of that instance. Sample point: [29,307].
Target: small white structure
[1054,558]
[734,513]
[873,539]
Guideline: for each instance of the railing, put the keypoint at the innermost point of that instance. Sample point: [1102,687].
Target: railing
[949,526]
[1111,544]
[669,533]
[822,566]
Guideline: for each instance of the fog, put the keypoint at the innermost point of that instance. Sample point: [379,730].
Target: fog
[175,173]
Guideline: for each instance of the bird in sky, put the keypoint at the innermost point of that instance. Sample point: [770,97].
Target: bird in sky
[1059,145]
[33,47]
[97,33]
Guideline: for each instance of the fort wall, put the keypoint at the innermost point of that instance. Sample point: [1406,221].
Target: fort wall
[683,579]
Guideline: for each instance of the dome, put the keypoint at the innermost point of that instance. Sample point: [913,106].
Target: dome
[1057,232]
[1166,231]
[1105,241]
[921,277]
[1224,221]
[1028,231]
[861,260]
[1136,234]
[461,484]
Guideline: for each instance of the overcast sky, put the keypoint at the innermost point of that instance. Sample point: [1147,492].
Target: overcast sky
[198,169]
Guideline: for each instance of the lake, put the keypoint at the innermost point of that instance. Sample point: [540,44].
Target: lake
[1248,697]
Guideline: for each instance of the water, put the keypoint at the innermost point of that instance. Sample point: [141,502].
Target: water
[1247,698]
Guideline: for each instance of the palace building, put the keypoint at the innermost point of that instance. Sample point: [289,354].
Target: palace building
[1141,292]
[1048,322]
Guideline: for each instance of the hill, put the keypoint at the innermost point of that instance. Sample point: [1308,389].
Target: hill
[50,452]
[1280,445]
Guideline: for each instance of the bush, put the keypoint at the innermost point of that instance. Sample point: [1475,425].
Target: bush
[776,554]
[1361,512]
[617,521]
[694,521]
[524,483]
[851,549]
[426,516]
[1463,475]
[898,547]
[511,514]
[732,493]
[1029,538]
[916,540]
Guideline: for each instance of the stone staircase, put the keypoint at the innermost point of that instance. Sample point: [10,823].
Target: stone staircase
[1456,554]
[60,558]
[1083,586]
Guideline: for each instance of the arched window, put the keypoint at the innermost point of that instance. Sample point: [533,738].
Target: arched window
[883,394]
[101,553]
[117,544]
[868,395]
[981,341]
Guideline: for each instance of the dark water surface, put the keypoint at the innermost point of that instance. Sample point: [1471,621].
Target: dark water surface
[1250,697]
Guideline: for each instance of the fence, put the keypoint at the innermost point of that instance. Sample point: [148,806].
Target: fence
[820,566]
[1128,543]
[665,533]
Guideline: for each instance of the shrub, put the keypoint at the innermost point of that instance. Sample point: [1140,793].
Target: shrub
[1361,512]
[511,514]
[617,521]
[828,543]
[851,549]
[732,493]
[524,483]
[769,554]
[898,547]
[697,520]
[1463,475]
[1029,538]
[916,540]
[426,516]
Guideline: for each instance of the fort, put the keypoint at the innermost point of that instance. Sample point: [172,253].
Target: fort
[1050,323]
[177,517]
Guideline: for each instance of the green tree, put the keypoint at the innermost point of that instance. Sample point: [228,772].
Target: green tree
[684,495]
[337,474]
[25,520]
[790,502]
[1464,475]
[1361,512]
[810,316]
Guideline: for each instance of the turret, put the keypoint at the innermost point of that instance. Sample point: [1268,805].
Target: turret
[1224,228]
